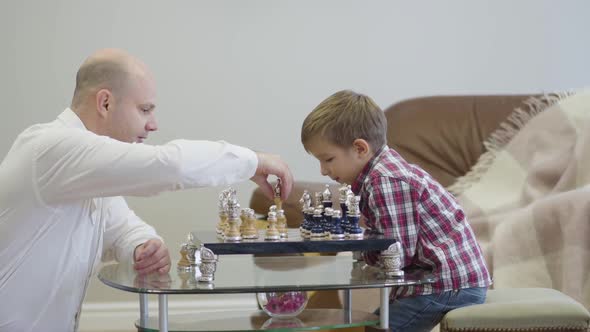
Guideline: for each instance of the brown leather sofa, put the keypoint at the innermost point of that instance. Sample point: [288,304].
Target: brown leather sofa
[442,134]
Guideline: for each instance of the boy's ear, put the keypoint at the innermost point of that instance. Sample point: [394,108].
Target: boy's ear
[361,147]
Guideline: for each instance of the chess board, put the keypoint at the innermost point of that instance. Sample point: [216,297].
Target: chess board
[294,243]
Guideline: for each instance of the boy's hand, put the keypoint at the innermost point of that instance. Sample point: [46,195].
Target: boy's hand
[271,164]
[151,256]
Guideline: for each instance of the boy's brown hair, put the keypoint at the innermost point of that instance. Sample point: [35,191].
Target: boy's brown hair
[344,117]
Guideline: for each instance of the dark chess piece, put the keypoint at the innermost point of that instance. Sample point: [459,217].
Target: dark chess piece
[337,232]
[328,225]
[344,196]
[305,202]
[354,214]
[317,231]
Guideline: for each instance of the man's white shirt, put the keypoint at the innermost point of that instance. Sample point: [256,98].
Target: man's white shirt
[61,210]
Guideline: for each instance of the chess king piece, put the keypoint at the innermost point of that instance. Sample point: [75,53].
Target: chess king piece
[337,232]
[327,197]
[354,214]
[233,231]
[347,194]
[342,198]
[305,202]
[272,233]
[282,223]
[222,207]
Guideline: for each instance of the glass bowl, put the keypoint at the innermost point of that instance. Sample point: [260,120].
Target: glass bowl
[282,304]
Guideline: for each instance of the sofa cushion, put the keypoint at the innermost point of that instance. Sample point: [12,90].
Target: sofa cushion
[444,134]
[520,309]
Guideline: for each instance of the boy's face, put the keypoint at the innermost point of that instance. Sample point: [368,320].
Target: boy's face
[340,164]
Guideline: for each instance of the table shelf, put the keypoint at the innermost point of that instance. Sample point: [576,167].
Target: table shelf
[256,320]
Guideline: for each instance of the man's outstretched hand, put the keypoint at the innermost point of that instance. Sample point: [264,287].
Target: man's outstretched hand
[152,256]
[271,164]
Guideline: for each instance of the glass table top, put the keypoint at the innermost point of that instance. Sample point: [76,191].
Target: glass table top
[253,274]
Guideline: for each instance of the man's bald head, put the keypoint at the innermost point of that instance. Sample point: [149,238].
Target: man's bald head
[109,69]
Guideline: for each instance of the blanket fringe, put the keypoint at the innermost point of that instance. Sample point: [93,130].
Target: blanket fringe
[503,135]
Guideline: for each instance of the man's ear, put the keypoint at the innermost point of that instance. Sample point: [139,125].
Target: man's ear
[104,100]
[361,147]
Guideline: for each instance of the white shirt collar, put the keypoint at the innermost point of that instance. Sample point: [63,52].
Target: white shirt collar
[71,119]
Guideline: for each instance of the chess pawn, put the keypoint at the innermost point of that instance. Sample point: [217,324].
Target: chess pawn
[184,263]
[250,231]
[282,223]
[327,197]
[243,220]
[222,224]
[317,232]
[337,232]
[272,233]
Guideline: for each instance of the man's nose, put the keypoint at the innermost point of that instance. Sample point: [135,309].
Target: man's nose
[152,124]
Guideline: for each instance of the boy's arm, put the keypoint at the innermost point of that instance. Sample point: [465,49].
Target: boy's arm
[392,206]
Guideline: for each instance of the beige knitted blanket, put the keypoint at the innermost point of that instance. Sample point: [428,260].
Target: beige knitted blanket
[528,197]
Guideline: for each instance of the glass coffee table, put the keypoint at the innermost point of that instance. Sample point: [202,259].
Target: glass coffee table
[255,274]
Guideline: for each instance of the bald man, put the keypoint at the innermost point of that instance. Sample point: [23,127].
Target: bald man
[61,210]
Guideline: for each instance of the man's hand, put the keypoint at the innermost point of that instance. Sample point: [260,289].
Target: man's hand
[270,164]
[152,256]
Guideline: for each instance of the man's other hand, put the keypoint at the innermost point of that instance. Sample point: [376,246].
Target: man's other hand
[152,256]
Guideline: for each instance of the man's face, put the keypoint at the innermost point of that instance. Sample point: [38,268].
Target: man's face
[340,164]
[132,117]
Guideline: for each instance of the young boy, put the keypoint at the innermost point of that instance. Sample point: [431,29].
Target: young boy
[347,134]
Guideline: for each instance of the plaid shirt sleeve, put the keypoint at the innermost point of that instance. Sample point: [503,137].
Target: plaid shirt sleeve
[390,208]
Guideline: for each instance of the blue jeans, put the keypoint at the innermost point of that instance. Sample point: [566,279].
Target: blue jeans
[423,313]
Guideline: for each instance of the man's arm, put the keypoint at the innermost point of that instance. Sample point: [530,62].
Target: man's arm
[73,164]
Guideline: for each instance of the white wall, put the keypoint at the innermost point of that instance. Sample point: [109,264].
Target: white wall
[249,71]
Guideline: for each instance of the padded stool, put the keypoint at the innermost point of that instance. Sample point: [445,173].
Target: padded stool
[520,309]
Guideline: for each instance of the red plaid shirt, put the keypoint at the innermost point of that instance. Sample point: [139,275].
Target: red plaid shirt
[402,200]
